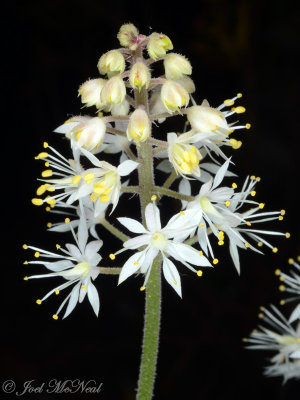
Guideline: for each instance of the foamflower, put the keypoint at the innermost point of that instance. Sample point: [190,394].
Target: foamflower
[77,264]
[160,240]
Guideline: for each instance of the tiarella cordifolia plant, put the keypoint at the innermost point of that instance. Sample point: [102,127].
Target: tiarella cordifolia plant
[282,335]
[131,105]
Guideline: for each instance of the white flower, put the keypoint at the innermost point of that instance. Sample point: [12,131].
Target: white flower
[213,123]
[218,207]
[291,285]
[280,337]
[77,264]
[160,240]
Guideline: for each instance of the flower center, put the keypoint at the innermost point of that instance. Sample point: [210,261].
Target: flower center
[187,157]
[103,188]
[81,270]
[207,206]
[159,241]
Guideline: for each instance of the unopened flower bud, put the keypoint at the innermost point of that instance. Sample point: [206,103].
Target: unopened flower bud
[139,126]
[158,45]
[156,106]
[90,92]
[120,109]
[206,119]
[187,83]
[111,63]
[174,96]
[176,66]
[127,34]
[114,91]
[90,133]
[139,76]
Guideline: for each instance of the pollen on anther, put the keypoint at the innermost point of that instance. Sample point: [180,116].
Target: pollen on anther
[112,256]
[282,212]
[136,263]
[54,316]
[220,242]
[248,223]
[38,301]
[282,302]
[275,249]
[215,261]
[200,253]
[260,244]
[253,193]
[282,278]
[262,308]
[83,287]
[247,245]
[252,177]
[67,220]
[280,217]
[25,278]
[37,254]
[56,291]
[25,247]
[49,224]
[37,202]
[234,185]
[175,282]
[288,235]
[201,224]
[227,203]
[260,315]
[277,271]
[248,126]
[45,145]
[244,340]
[282,288]
[25,262]
[290,261]
[261,205]
[153,198]
[142,288]
[199,273]
[258,179]
[181,212]
[57,246]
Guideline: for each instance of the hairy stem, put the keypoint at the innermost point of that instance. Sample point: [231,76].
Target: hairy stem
[170,180]
[172,193]
[114,230]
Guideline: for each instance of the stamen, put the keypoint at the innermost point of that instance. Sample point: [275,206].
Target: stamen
[37,202]
[25,247]
[275,250]
[234,185]
[67,220]
[142,288]
[112,256]
[153,198]
[38,301]
[215,261]
[199,273]
[287,235]
[54,316]
[277,271]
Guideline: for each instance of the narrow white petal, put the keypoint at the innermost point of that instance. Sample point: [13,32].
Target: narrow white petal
[82,233]
[295,314]
[131,266]
[73,299]
[92,248]
[152,215]
[132,225]
[189,254]
[220,174]
[58,265]
[171,275]
[127,167]
[74,251]
[93,298]
[136,242]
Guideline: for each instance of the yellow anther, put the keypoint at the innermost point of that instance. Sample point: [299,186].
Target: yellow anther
[43,154]
[45,145]
[248,223]
[193,149]
[227,203]
[56,291]
[258,179]
[282,288]
[260,244]
[50,201]
[142,288]
[47,173]
[89,177]
[25,262]
[67,220]
[282,302]
[280,217]
[175,282]
[93,197]
[200,253]
[104,198]
[247,245]
[236,144]
[221,235]
[54,316]
[228,102]
[261,205]
[282,212]
[260,315]
[248,126]
[252,177]
[215,261]
[181,212]
[239,95]
[37,254]
[288,235]
[83,287]
[25,247]
[112,256]
[262,308]
[47,208]
[277,271]
[76,179]
[282,278]
[25,278]
[49,224]
[244,340]
[41,190]
[38,301]
[57,246]
[47,164]
[290,260]
[185,167]
[275,249]
[253,193]
[298,258]
[240,109]
[136,263]
[153,198]
[201,224]
[37,202]
[234,185]
[199,273]
[220,242]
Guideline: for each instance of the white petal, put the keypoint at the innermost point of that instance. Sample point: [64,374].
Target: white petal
[58,265]
[136,242]
[234,255]
[220,174]
[295,314]
[189,254]
[94,160]
[181,221]
[150,256]
[171,275]
[295,354]
[130,267]
[93,298]
[132,225]
[73,299]
[92,248]
[74,251]
[66,128]
[152,217]
[127,167]
[82,233]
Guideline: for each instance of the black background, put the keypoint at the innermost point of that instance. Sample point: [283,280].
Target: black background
[50,48]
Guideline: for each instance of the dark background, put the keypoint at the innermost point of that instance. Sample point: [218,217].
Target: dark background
[50,48]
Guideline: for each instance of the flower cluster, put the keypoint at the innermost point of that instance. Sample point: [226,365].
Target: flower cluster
[130,106]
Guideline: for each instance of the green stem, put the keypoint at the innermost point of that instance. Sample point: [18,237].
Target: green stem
[110,270]
[172,193]
[151,333]
[130,189]
[170,180]
[114,230]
